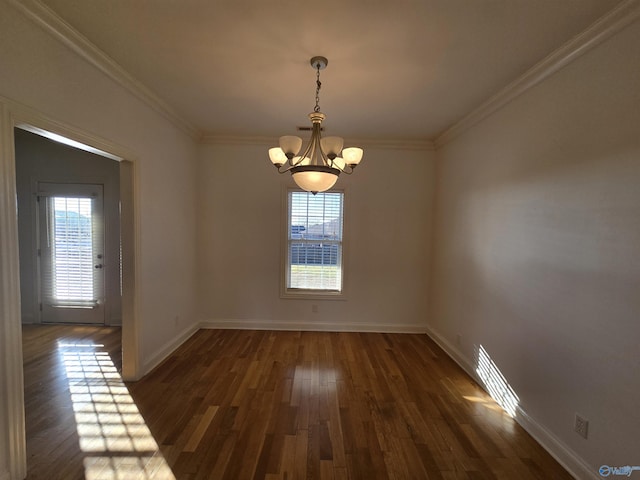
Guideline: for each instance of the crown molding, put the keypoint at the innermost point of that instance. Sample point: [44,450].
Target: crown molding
[32,120]
[211,139]
[392,144]
[605,27]
[50,22]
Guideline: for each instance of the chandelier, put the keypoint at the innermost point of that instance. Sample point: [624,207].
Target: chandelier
[317,169]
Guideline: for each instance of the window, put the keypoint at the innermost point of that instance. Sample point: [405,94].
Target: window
[314,243]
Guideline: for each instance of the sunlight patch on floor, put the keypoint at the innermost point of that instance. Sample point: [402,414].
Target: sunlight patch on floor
[113,435]
[495,383]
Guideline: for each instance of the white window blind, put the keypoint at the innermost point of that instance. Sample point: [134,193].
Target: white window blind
[314,252]
[70,239]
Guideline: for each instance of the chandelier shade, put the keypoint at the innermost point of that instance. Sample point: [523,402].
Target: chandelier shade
[277,156]
[290,143]
[324,159]
[315,179]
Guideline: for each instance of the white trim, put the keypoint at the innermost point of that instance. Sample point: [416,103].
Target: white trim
[390,144]
[29,319]
[608,25]
[59,29]
[453,352]
[130,219]
[27,118]
[213,139]
[611,23]
[569,459]
[130,239]
[263,324]
[67,141]
[309,294]
[168,348]
[11,370]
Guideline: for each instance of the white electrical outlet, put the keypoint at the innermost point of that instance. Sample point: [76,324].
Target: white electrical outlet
[581,426]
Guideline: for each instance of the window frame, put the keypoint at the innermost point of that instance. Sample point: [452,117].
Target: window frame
[310,294]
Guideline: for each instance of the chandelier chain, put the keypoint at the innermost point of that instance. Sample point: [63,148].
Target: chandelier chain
[318,85]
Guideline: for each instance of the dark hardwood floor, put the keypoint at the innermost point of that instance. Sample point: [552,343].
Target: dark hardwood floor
[81,422]
[232,404]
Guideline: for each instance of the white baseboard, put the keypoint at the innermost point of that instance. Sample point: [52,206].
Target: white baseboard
[27,319]
[573,463]
[564,455]
[168,348]
[312,326]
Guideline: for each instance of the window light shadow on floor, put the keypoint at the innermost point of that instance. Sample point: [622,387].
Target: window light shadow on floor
[495,383]
[113,436]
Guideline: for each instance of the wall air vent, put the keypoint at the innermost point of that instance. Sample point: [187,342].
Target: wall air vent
[307,129]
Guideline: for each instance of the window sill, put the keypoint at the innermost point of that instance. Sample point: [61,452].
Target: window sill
[312,295]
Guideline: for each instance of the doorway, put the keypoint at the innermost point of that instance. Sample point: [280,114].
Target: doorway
[119,220]
[13,116]
[69,216]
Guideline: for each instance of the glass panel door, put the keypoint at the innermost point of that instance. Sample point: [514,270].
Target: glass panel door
[71,245]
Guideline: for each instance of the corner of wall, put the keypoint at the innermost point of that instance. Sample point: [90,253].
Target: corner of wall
[265,324]
[167,349]
[564,455]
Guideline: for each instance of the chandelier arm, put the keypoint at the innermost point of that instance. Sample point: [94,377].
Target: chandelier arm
[285,167]
[315,140]
[326,160]
[308,152]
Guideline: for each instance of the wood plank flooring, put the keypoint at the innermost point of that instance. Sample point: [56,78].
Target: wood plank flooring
[52,439]
[233,404]
[81,422]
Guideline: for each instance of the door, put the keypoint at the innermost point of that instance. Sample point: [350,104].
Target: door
[71,253]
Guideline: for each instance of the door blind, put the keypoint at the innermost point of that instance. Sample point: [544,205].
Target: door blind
[70,238]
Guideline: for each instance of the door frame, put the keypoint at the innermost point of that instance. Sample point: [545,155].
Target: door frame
[12,419]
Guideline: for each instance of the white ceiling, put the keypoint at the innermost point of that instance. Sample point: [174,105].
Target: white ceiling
[402,69]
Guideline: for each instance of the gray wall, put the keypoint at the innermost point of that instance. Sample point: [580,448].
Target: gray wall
[42,160]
